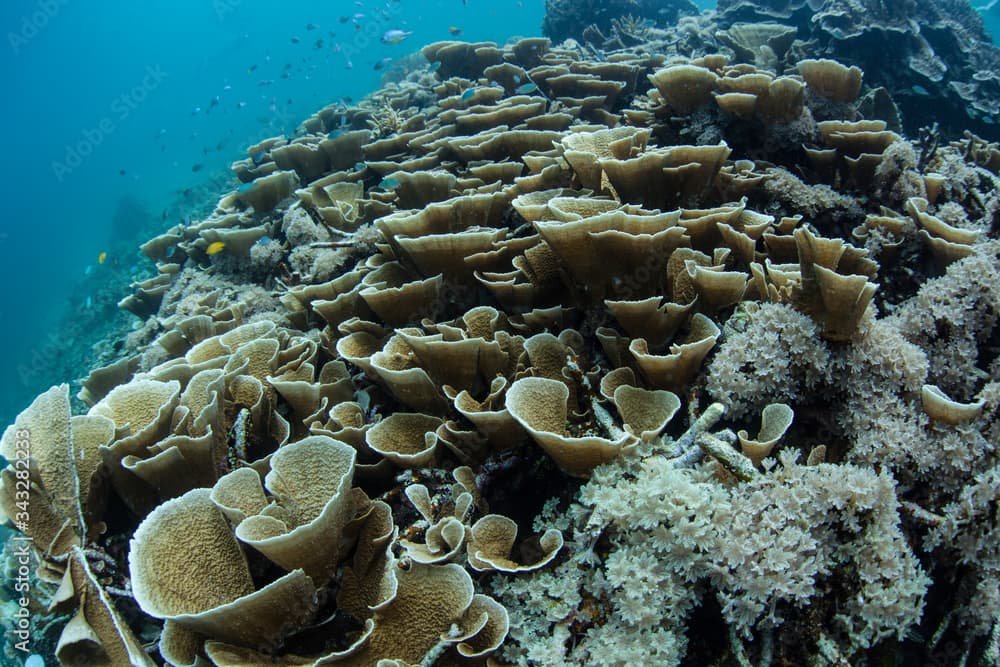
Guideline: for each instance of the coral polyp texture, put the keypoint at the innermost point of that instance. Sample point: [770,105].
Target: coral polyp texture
[536,358]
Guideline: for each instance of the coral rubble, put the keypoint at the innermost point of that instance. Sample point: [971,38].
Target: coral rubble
[548,359]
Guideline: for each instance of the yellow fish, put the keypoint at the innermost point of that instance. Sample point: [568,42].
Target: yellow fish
[102,257]
[216,248]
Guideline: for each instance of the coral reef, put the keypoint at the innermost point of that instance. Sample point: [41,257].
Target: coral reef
[928,63]
[539,357]
[921,51]
[567,19]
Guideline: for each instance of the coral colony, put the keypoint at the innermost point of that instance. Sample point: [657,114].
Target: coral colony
[675,348]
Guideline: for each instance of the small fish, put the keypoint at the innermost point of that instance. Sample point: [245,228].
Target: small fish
[252,68]
[246,187]
[358,16]
[122,172]
[349,65]
[389,184]
[103,257]
[295,40]
[170,251]
[197,167]
[263,240]
[311,26]
[382,63]
[360,166]
[434,66]
[920,90]
[395,36]
[467,95]
[526,88]
[334,134]
[215,248]
[89,302]
[455,32]
[344,19]
[88,269]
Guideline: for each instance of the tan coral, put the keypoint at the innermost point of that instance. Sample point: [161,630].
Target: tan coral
[674,370]
[645,413]
[830,79]
[941,408]
[406,439]
[190,535]
[492,539]
[97,635]
[774,421]
[540,406]
[685,87]
[310,481]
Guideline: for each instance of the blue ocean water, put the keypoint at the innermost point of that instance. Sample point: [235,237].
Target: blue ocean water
[111,106]
[116,112]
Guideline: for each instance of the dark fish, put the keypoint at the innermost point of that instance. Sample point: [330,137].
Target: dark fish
[382,63]
[122,172]
[295,40]
[319,43]
[197,167]
[251,68]
[311,26]
[344,19]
